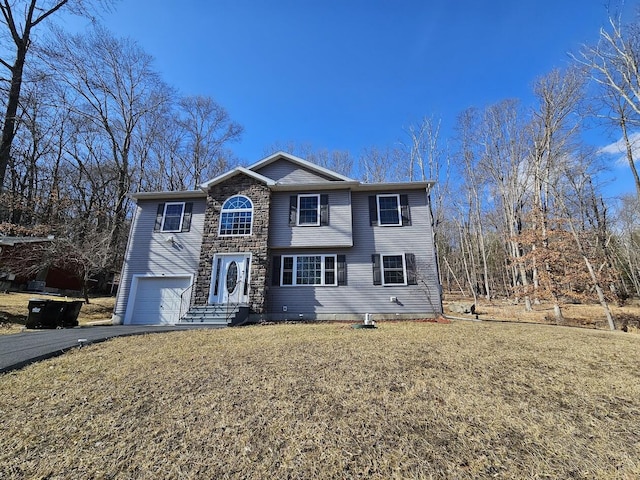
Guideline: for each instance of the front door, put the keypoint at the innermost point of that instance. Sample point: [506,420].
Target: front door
[230,279]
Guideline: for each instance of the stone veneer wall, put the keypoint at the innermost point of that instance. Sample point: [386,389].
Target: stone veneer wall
[257,243]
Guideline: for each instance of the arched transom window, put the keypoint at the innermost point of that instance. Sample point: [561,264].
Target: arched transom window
[236,216]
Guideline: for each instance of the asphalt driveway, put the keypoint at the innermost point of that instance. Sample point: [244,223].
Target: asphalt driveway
[30,346]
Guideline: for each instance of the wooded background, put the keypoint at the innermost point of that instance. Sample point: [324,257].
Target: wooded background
[519,209]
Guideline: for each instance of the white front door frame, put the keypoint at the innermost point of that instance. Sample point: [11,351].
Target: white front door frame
[229,283]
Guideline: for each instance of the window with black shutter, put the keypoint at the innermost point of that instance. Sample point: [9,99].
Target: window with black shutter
[309,270]
[390,270]
[309,210]
[173,217]
[342,270]
[389,209]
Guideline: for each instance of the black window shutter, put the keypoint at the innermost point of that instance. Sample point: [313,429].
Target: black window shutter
[246,278]
[159,216]
[404,209]
[377,277]
[293,210]
[186,217]
[342,270]
[275,271]
[412,271]
[373,210]
[324,209]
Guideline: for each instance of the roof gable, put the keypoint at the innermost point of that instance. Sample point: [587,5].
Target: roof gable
[317,170]
[232,173]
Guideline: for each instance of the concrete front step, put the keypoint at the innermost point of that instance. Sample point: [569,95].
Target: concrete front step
[215,314]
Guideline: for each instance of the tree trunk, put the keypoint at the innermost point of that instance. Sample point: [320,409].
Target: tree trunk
[13,100]
[629,152]
[601,297]
[557,313]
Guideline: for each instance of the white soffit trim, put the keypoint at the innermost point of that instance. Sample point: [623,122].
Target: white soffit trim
[221,178]
[309,187]
[303,163]
[394,186]
[168,195]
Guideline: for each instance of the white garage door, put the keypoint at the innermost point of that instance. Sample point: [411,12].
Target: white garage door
[157,300]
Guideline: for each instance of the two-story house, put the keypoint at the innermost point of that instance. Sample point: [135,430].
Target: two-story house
[283,239]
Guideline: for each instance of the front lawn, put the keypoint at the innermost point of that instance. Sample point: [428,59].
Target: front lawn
[14,309]
[406,400]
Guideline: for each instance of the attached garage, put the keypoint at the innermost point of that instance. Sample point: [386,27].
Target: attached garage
[156,300]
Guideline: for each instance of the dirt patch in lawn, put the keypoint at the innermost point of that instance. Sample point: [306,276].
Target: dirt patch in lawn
[14,309]
[406,400]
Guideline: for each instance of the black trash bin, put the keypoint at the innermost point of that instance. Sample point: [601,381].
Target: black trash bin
[70,313]
[53,313]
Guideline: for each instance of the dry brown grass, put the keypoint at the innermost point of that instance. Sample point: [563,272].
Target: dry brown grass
[407,400]
[14,309]
[580,315]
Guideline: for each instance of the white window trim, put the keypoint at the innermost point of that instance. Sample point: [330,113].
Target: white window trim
[404,269]
[164,217]
[294,271]
[236,210]
[397,197]
[308,195]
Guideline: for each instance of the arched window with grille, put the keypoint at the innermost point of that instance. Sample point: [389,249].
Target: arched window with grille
[236,216]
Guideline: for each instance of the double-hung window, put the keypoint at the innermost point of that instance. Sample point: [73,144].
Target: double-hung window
[309,210]
[173,217]
[393,270]
[389,210]
[172,220]
[399,269]
[302,270]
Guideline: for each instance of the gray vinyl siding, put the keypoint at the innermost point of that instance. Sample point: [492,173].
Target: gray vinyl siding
[283,171]
[360,296]
[150,253]
[337,234]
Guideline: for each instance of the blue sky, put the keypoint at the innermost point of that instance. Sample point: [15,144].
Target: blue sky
[352,74]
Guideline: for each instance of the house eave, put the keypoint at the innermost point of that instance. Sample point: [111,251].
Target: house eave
[296,187]
[315,247]
[367,187]
[167,195]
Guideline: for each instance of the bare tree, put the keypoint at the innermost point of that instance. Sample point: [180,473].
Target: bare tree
[504,141]
[627,244]
[588,245]
[555,126]
[429,161]
[207,129]
[470,203]
[423,149]
[382,165]
[110,85]
[18,20]
[613,62]
[339,161]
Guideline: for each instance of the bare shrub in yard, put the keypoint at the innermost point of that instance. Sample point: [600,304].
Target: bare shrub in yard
[407,400]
